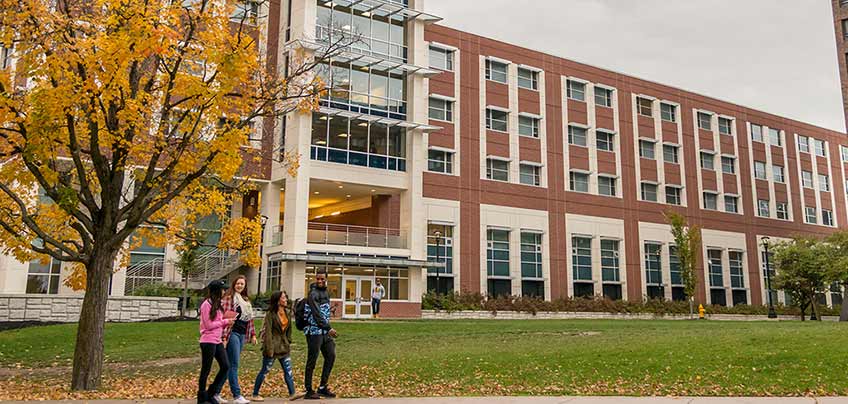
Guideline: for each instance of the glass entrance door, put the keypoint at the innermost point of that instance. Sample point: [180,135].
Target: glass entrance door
[357,296]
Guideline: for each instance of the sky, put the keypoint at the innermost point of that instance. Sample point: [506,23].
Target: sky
[778,56]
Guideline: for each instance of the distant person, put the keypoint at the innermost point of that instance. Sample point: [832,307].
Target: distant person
[239,333]
[377,294]
[276,342]
[212,324]
[319,337]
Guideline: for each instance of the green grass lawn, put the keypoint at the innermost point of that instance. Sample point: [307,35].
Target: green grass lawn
[503,356]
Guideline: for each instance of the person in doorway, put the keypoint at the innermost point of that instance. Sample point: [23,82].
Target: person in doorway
[213,320]
[236,335]
[276,342]
[377,294]
[319,337]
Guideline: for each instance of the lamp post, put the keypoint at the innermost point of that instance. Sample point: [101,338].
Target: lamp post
[771,313]
[263,220]
[438,236]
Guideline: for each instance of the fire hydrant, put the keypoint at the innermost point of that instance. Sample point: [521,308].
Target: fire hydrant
[701,312]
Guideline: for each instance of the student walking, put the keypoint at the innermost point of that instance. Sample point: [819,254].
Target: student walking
[212,324]
[239,333]
[377,294]
[276,342]
[319,337]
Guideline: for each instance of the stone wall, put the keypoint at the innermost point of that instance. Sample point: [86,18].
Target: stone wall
[67,308]
[513,315]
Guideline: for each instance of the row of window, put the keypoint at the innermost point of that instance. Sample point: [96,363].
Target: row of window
[498,72]
[498,120]
[499,280]
[498,170]
[374,34]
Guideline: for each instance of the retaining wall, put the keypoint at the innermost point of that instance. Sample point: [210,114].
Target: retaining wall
[67,308]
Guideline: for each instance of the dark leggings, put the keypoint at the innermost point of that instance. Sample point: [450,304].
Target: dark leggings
[327,347]
[207,353]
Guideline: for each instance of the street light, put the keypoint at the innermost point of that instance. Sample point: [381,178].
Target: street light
[438,236]
[771,313]
[263,220]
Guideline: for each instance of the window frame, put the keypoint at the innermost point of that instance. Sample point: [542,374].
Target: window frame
[732,160]
[491,170]
[490,70]
[572,135]
[824,182]
[711,160]
[728,124]
[491,120]
[573,179]
[811,212]
[643,191]
[803,143]
[533,79]
[672,111]
[777,174]
[605,94]
[781,207]
[677,194]
[760,170]
[612,185]
[676,151]
[709,122]
[535,124]
[447,161]
[714,195]
[573,88]
[643,151]
[535,176]
[446,110]
[609,141]
[448,58]
[644,104]
[735,203]
[763,208]
[807,180]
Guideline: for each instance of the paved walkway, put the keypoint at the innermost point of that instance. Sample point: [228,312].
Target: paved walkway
[524,400]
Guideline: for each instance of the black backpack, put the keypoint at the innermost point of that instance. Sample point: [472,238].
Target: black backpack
[300,321]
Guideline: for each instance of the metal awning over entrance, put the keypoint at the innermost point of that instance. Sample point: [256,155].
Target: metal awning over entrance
[354,260]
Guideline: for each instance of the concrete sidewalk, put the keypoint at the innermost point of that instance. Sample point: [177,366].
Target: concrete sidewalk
[521,400]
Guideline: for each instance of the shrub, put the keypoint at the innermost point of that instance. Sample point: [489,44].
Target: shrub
[159,289]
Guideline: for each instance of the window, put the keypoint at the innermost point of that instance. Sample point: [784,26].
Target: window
[777,173]
[725,126]
[5,57]
[807,179]
[728,165]
[810,215]
[528,126]
[578,182]
[43,276]
[528,79]
[646,149]
[803,144]
[497,120]
[379,34]
[532,281]
[710,201]
[363,89]
[759,170]
[653,271]
[844,22]
[576,135]
[441,109]
[440,249]
[819,144]
[844,152]
[439,161]
[707,161]
[827,217]
[672,195]
[763,208]
[705,121]
[774,137]
[497,262]
[605,140]
[358,142]
[824,183]
[756,133]
[678,292]
[781,211]
[737,277]
[645,106]
[731,204]
[497,170]
[716,273]
[576,90]
[609,268]
[606,186]
[649,192]
[581,266]
[441,59]
[670,153]
[529,174]
[603,97]
[668,112]
[247,11]
[496,71]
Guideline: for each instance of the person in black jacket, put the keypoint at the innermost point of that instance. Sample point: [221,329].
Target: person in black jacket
[319,337]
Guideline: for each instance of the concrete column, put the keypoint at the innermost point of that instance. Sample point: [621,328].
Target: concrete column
[296,215]
[291,279]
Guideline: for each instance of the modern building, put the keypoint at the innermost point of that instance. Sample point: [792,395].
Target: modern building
[442,160]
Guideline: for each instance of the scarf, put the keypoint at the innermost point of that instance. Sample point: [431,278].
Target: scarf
[246,308]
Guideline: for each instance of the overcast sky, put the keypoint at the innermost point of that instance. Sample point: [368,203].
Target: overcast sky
[778,56]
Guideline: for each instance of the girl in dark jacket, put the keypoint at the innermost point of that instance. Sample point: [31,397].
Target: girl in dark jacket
[276,342]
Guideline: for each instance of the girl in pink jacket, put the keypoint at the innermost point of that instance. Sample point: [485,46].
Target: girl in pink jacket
[212,323]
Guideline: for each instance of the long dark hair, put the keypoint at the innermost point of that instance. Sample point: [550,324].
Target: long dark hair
[243,293]
[274,302]
[214,296]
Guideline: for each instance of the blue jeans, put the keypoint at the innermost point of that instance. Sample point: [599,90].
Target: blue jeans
[375,305]
[234,346]
[267,364]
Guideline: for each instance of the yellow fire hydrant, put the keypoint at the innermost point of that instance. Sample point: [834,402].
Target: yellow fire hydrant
[701,312]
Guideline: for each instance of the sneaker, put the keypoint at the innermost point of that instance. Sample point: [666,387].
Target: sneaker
[311,395]
[241,400]
[257,397]
[325,392]
[218,399]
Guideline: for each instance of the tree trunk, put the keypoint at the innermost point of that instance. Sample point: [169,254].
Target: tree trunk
[184,309]
[803,308]
[691,307]
[843,313]
[815,310]
[88,354]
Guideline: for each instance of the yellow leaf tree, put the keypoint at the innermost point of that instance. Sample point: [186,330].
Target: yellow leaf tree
[122,116]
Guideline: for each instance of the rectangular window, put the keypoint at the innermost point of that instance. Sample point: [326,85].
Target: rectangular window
[674,266]
[731,204]
[649,192]
[440,249]
[807,179]
[819,144]
[497,120]
[670,153]
[737,274]
[43,276]
[705,121]
[439,161]
[646,149]
[576,90]
[668,112]
[803,144]
[782,211]
[824,183]
[763,208]
[710,201]
[576,135]
[605,140]
[497,170]
[645,106]
[672,195]
[578,182]
[653,271]
[760,170]
[441,110]
[810,215]
[844,152]
[609,261]
[529,174]
[5,57]
[603,97]
[827,217]
[581,265]
[606,186]
[715,267]
[728,165]
[532,283]
[774,137]
[528,126]
[756,133]
[707,161]
[441,59]
[777,173]
[725,126]
[528,79]
[496,71]
[497,262]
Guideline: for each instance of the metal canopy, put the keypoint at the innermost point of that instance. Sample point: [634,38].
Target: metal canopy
[385,121]
[354,260]
[387,8]
[372,61]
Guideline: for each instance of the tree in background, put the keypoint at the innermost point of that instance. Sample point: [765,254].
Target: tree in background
[687,240]
[801,265]
[837,268]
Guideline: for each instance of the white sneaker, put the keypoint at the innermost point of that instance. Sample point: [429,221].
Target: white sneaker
[219,399]
[241,400]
